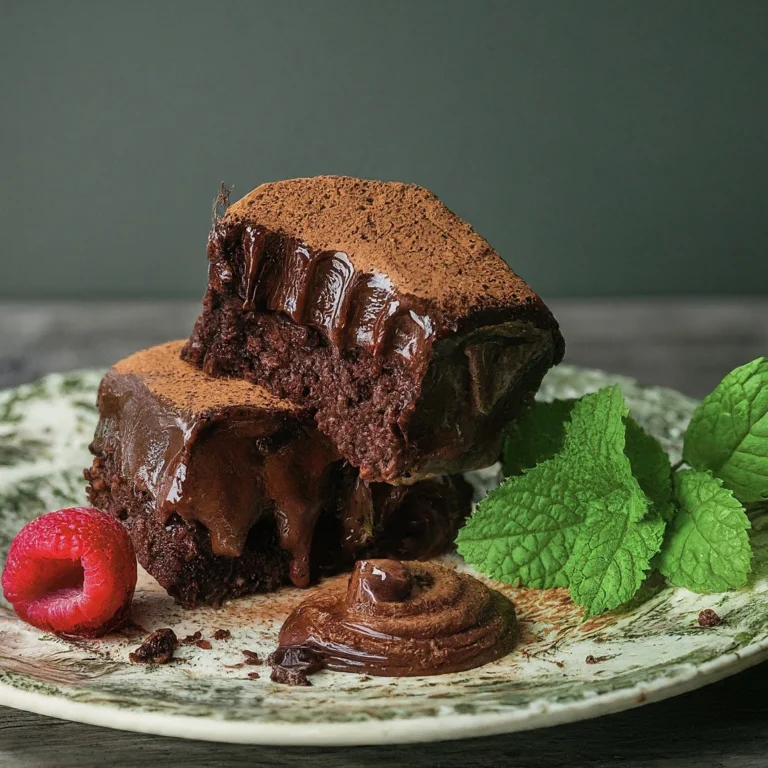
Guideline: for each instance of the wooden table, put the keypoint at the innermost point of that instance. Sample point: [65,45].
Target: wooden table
[688,345]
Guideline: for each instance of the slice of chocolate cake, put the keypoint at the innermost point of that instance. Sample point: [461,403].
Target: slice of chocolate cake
[386,314]
[226,490]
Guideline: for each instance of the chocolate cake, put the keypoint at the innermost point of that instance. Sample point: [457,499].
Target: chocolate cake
[225,489]
[376,307]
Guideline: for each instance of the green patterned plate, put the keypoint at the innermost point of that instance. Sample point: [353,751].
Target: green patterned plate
[647,652]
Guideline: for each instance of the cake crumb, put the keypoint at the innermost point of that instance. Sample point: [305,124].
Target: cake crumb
[204,644]
[708,618]
[252,658]
[596,659]
[289,676]
[254,675]
[222,634]
[158,648]
[291,665]
[192,639]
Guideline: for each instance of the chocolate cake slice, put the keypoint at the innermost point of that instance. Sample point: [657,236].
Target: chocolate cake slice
[226,490]
[382,311]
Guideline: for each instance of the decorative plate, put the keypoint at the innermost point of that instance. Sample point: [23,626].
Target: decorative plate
[648,652]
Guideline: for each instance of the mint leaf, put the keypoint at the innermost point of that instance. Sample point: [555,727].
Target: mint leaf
[536,436]
[594,445]
[523,531]
[540,434]
[613,551]
[706,548]
[728,433]
[614,547]
[651,468]
[527,530]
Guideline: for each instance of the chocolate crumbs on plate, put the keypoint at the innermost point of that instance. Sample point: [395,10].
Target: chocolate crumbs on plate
[289,676]
[252,658]
[708,618]
[158,648]
[291,665]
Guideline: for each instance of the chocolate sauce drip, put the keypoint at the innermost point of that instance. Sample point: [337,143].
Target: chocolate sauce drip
[414,522]
[400,618]
[253,250]
[322,289]
[297,477]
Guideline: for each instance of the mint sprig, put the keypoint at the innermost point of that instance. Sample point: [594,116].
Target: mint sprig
[536,436]
[592,503]
[550,525]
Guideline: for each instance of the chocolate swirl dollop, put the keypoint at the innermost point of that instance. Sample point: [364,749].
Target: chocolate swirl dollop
[402,618]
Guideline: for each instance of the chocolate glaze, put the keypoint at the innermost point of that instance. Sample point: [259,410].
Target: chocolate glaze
[320,289]
[399,618]
[228,462]
[273,271]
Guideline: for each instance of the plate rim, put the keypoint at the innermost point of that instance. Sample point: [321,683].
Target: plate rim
[410,730]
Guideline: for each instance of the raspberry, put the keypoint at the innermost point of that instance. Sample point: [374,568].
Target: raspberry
[71,572]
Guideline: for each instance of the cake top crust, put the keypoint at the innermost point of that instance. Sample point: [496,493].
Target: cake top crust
[166,375]
[400,230]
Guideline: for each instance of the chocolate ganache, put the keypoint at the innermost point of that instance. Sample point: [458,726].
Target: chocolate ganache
[232,458]
[399,618]
[375,305]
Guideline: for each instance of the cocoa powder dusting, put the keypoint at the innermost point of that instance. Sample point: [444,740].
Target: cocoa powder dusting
[399,230]
[166,375]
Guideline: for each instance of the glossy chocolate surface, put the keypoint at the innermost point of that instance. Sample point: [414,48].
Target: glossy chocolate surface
[318,288]
[399,618]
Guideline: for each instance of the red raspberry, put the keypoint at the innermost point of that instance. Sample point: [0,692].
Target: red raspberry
[71,572]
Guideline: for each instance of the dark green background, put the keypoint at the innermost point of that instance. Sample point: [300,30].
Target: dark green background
[603,147]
